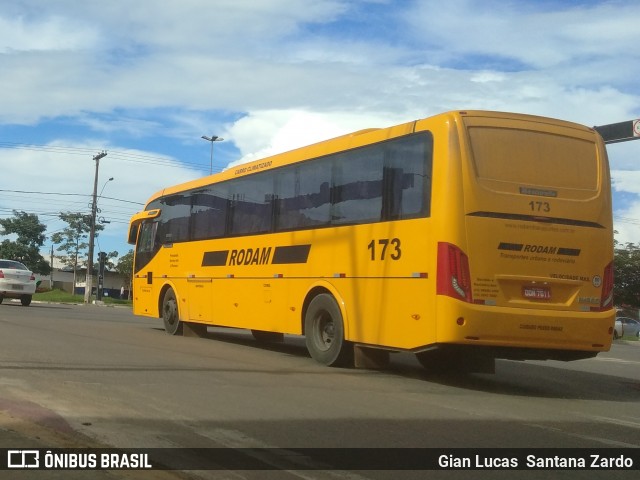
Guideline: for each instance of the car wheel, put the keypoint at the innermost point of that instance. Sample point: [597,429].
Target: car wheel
[25,300]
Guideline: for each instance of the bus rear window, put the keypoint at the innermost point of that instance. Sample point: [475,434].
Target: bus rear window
[529,157]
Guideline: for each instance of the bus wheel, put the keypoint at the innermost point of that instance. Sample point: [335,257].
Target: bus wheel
[172,324]
[324,332]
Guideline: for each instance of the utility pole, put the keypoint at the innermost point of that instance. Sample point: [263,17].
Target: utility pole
[51,274]
[92,231]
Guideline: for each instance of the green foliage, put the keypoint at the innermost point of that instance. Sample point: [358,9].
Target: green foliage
[627,274]
[73,240]
[58,296]
[30,237]
[109,263]
[125,266]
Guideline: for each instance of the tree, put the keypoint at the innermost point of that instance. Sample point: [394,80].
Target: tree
[626,268]
[30,237]
[125,268]
[73,239]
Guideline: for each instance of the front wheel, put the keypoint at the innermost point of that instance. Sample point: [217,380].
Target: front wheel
[170,316]
[324,332]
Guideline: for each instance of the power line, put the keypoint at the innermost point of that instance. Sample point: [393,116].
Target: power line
[121,155]
[67,194]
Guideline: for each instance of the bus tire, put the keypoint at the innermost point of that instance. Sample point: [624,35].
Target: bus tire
[324,332]
[170,314]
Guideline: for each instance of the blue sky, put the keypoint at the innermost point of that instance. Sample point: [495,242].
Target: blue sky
[145,80]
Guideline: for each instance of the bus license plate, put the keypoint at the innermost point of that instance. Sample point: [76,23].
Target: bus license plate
[536,293]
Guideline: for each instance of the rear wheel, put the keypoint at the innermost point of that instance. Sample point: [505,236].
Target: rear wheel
[170,315]
[324,332]
[25,300]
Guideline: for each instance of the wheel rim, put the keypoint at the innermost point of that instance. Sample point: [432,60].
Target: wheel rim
[170,312]
[324,331]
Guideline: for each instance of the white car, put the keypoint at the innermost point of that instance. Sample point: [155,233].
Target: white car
[618,329]
[630,327]
[16,281]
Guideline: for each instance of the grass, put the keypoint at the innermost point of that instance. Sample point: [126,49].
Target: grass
[58,296]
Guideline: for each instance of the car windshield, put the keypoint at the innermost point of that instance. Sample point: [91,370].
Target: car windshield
[12,264]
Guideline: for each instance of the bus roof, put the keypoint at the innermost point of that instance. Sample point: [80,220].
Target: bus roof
[346,142]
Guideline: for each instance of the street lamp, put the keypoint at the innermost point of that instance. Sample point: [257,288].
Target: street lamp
[105,184]
[212,138]
[102,220]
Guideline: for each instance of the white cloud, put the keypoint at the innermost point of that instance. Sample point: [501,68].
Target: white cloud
[539,35]
[54,33]
[54,168]
[274,75]
[265,133]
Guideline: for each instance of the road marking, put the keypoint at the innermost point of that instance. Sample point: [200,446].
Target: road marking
[606,441]
[285,460]
[616,360]
[615,421]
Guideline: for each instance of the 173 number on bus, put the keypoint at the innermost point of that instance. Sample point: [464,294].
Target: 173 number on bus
[383,247]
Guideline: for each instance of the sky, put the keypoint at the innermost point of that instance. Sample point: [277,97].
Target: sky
[144,80]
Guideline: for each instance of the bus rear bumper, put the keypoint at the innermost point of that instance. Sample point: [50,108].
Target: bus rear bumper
[521,333]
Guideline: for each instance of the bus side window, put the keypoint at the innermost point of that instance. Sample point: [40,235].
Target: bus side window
[303,196]
[357,186]
[209,212]
[175,218]
[252,204]
[407,178]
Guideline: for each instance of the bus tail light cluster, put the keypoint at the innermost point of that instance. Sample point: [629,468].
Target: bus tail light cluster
[454,279]
[606,301]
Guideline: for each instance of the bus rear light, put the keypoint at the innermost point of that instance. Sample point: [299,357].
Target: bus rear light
[606,301]
[454,279]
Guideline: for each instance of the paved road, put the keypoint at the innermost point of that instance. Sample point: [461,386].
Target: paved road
[95,376]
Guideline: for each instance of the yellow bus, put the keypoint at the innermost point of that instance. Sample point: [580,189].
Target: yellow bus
[462,238]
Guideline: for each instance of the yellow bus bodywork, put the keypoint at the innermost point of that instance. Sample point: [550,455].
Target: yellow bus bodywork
[544,296]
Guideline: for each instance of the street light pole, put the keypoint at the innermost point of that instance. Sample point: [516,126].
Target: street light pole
[92,231]
[212,138]
[101,255]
